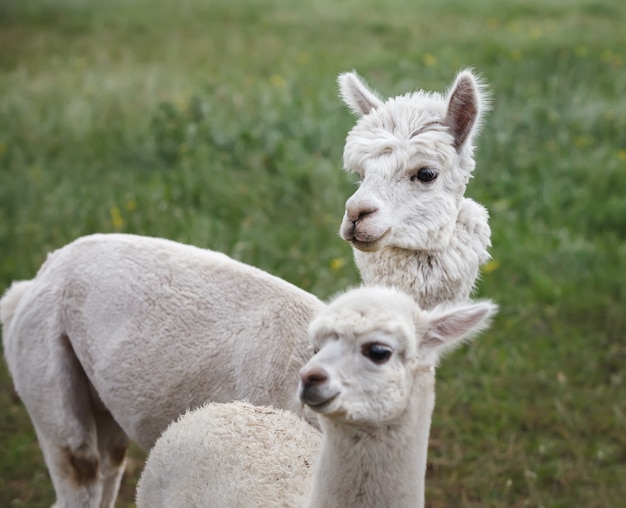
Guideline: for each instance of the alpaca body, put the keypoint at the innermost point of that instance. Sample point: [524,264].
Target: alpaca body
[242,436]
[118,335]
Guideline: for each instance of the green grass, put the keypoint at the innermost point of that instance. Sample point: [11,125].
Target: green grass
[218,124]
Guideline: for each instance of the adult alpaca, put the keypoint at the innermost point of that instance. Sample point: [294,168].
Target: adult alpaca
[409,223]
[118,335]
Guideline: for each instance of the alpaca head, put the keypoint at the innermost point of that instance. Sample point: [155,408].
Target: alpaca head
[414,157]
[370,345]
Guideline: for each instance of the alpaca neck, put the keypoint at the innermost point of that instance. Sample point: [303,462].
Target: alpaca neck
[421,274]
[434,276]
[370,467]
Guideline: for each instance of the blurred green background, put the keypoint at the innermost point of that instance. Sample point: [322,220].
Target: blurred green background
[217,123]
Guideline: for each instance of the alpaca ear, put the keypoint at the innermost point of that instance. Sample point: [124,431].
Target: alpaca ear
[464,107]
[447,328]
[357,95]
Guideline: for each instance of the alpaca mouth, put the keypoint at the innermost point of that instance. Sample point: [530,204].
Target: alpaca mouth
[368,245]
[365,246]
[318,405]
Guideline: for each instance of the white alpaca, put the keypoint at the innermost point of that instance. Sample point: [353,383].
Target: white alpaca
[367,385]
[408,222]
[118,335]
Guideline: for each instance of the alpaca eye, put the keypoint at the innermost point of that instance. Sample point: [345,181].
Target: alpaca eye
[425,175]
[378,353]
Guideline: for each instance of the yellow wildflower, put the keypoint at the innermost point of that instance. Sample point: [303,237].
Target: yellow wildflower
[277,80]
[336,264]
[116,218]
[429,60]
[491,266]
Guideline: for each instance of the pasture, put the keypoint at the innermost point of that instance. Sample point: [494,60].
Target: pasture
[217,123]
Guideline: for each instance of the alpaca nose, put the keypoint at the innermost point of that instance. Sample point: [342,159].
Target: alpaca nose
[313,377]
[358,211]
[315,390]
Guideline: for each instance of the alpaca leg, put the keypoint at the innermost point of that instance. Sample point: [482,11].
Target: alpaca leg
[74,472]
[112,444]
[55,391]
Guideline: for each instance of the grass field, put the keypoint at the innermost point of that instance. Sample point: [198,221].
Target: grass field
[217,123]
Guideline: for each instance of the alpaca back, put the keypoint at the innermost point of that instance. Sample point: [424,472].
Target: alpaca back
[160,327]
[231,455]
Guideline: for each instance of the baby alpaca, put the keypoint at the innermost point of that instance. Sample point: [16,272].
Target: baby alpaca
[368,385]
[408,222]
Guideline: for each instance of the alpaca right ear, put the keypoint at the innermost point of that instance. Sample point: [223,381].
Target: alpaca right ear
[448,327]
[357,95]
[465,102]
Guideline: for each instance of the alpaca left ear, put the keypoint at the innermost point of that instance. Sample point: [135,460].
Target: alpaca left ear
[448,327]
[356,94]
[465,102]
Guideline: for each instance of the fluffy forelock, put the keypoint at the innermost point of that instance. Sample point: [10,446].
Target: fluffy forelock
[367,310]
[394,126]
[403,125]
